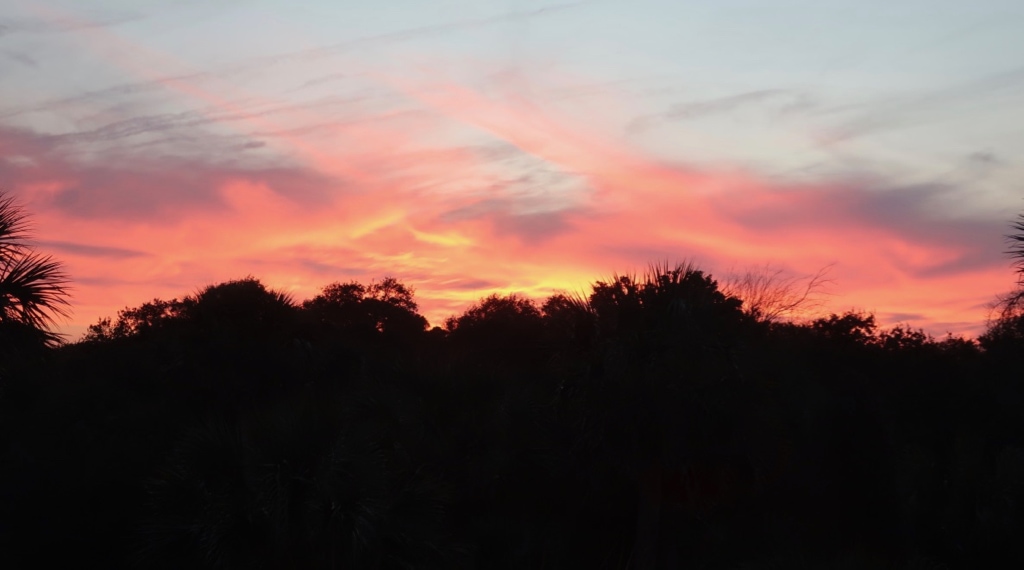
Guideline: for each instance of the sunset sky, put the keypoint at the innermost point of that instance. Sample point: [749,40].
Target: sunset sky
[473,146]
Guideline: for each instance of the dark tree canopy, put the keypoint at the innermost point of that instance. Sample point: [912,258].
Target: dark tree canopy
[241,304]
[512,311]
[851,327]
[387,307]
[138,321]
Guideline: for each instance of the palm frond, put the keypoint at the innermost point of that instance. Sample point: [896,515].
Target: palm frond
[14,228]
[33,287]
[1017,248]
[33,290]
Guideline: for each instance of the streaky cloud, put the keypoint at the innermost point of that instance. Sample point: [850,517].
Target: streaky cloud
[792,101]
[26,26]
[922,108]
[264,63]
[21,58]
[86,250]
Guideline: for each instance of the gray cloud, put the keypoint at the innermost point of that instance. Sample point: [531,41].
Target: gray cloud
[912,110]
[916,212]
[700,109]
[322,80]
[329,269]
[92,250]
[902,317]
[141,188]
[533,228]
[184,122]
[263,63]
[297,258]
[509,218]
[17,26]
[412,33]
[22,58]
[470,284]
[251,145]
[791,101]
[984,157]
[105,94]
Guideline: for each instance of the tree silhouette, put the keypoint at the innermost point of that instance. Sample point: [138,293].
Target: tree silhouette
[850,327]
[1005,332]
[769,295]
[33,287]
[142,320]
[504,329]
[902,338]
[240,304]
[1017,248]
[510,312]
[1012,304]
[361,312]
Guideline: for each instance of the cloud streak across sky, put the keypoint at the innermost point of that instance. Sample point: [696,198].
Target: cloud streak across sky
[514,147]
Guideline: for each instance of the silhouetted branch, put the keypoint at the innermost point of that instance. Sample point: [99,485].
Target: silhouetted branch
[769,295]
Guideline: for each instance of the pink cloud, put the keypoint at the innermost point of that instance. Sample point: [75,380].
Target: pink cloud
[564,203]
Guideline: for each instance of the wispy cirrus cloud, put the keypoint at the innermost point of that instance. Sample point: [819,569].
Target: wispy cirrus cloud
[84,250]
[784,100]
[21,58]
[18,26]
[924,108]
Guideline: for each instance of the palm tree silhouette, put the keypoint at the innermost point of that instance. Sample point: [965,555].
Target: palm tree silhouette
[1005,332]
[33,287]
[1016,251]
[1017,246]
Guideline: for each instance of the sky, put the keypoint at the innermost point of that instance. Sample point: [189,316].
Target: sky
[468,147]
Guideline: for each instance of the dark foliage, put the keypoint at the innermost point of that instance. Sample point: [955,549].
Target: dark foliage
[656,422]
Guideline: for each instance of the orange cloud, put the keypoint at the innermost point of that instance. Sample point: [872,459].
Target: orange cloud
[461,193]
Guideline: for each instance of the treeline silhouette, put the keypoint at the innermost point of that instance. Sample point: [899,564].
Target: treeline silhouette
[655,422]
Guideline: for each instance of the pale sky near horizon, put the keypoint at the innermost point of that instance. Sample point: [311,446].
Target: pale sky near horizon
[469,147]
